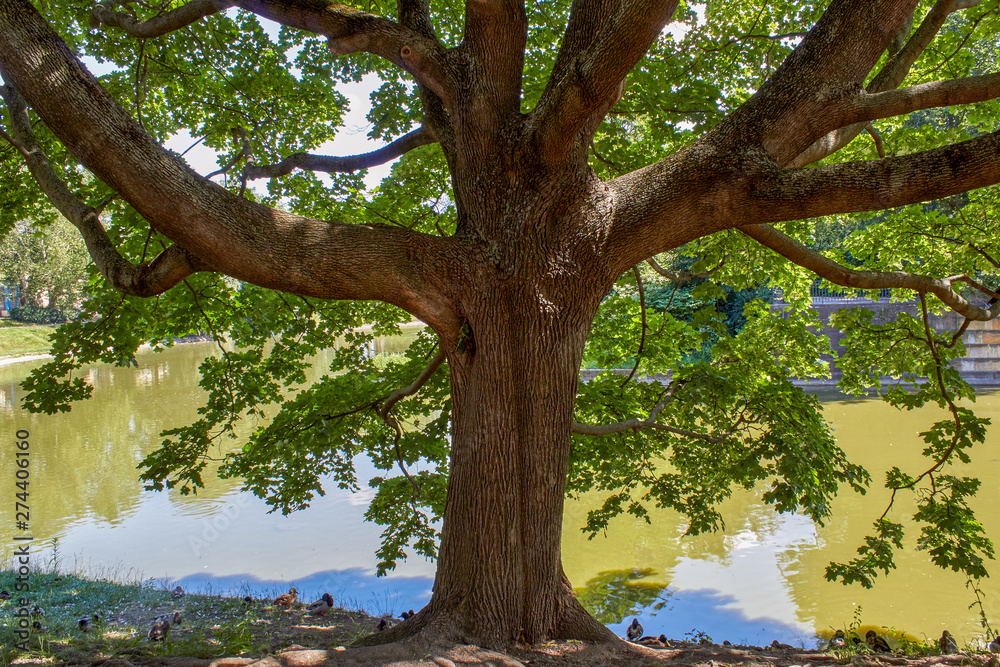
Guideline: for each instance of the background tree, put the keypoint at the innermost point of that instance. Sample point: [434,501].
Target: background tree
[546,152]
[48,264]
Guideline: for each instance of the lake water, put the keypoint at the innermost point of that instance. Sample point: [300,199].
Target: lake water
[760,580]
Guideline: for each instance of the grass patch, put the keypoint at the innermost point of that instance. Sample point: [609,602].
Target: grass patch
[17,339]
[384,360]
[211,625]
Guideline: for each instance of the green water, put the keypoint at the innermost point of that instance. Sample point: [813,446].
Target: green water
[761,579]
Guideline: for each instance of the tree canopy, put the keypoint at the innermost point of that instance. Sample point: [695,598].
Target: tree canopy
[557,162]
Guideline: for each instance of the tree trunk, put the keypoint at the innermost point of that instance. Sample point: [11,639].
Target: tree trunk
[499,575]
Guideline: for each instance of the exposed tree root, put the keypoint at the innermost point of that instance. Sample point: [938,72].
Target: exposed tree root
[433,625]
[576,623]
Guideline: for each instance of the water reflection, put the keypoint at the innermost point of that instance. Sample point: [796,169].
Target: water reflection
[763,578]
[760,580]
[86,495]
[612,596]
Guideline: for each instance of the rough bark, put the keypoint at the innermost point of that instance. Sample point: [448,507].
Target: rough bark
[499,567]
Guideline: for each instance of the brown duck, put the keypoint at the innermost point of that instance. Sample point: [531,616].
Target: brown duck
[288,599]
[877,643]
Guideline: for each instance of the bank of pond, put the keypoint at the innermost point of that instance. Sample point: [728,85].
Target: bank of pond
[760,580]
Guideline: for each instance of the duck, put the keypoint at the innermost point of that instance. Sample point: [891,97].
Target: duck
[37,611]
[85,624]
[407,614]
[37,628]
[838,640]
[173,619]
[286,600]
[381,625]
[778,646]
[995,645]
[177,593]
[877,643]
[634,630]
[247,600]
[160,631]
[5,595]
[947,643]
[654,642]
[321,606]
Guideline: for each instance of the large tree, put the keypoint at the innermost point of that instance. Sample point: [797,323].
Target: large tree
[547,151]
[47,263]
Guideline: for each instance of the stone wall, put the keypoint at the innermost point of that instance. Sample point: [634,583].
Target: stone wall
[980,366]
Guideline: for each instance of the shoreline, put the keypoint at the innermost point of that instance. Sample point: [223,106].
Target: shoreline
[25,358]
[14,359]
[7,361]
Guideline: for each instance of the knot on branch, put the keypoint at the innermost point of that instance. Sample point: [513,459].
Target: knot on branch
[428,70]
[100,15]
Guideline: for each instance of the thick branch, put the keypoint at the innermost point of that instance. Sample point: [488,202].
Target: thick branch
[929,95]
[890,77]
[349,30]
[147,279]
[496,32]
[793,194]
[306,161]
[416,15]
[249,241]
[598,52]
[847,277]
[829,65]
[802,101]
[186,14]
[854,115]
[702,190]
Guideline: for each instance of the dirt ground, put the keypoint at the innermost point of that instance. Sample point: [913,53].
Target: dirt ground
[573,654]
[567,654]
